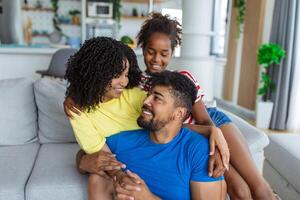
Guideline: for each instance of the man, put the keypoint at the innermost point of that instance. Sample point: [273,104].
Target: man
[169,162]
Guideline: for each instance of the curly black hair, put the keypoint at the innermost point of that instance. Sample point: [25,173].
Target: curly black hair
[92,68]
[163,24]
[182,88]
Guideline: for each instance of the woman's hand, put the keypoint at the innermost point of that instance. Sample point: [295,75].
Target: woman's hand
[70,106]
[217,140]
[99,163]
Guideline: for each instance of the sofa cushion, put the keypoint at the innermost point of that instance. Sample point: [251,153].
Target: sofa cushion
[54,126]
[54,176]
[283,154]
[256,139]
[16,163]
[18,116]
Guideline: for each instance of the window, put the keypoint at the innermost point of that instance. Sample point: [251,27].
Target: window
[219,27]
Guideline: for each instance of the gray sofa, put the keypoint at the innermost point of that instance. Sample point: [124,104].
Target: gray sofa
[282,165]
[37,146]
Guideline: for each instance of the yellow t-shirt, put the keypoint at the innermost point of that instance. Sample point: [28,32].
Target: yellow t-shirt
[91,128]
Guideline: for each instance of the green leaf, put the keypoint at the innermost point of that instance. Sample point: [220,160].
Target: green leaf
[262,90]
[270,54]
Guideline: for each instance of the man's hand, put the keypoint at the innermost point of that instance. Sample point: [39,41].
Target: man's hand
[217,140]
[69,105]
[215,165]
[99,162]
[130,186]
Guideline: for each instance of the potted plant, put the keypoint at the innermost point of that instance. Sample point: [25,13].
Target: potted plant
[116,10]
[240,6]
[74,17]
[268,55]
[56,35]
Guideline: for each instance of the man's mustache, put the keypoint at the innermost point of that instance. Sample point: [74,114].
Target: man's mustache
[147,108]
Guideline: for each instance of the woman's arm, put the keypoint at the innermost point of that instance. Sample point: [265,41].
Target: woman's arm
[70,107]
[96,156]
[102,163]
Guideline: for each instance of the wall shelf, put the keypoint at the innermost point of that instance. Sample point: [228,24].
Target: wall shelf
[26,8]
[134,17]
[65,24]
[40,35]
[140,1]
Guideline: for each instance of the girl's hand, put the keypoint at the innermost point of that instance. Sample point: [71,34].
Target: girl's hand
[217,140]
[215,165]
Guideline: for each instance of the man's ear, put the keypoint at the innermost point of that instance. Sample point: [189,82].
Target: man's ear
[180,113]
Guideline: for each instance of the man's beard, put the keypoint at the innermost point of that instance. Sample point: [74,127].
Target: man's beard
[151,124]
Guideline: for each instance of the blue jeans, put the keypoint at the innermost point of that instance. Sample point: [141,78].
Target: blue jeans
[219,118]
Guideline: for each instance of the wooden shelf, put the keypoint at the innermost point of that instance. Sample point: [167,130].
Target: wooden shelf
[140,1]
[65,24]
[135,17]
[37,9]
[40,35]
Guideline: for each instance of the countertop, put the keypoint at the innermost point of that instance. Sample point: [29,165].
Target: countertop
[39,49]
[25,49]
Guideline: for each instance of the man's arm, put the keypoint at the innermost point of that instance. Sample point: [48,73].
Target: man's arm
[216,190]
[216,140]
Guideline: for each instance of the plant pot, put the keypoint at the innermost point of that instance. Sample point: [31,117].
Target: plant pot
[263,114]
[55,37]
[75,20]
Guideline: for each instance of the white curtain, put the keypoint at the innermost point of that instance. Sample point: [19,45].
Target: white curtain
[293,123]
[294,110]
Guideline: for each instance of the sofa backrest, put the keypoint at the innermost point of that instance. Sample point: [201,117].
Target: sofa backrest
[54,126]
[18,113]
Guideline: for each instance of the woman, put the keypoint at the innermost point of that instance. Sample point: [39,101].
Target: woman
[102,76]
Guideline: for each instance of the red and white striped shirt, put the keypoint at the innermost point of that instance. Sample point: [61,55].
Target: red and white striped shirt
[146,85]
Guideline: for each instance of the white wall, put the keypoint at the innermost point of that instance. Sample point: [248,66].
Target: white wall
[130,26]
[25,62]
[218,80]
[207,70]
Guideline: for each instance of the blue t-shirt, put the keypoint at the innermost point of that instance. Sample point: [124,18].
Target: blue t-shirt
[167,169]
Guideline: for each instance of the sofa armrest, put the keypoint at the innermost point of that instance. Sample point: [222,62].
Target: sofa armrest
[257,140]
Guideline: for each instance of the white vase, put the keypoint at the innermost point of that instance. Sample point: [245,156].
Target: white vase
[263,114]
[55,37]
